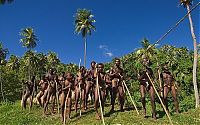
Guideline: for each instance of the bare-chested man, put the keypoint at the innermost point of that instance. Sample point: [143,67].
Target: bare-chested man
[43,87]
[28,90]
[80,87]
[169,85]
[66,95]
[51,90]
[108,82]
[146,86]
[101,86]
[117,85]
[90,81]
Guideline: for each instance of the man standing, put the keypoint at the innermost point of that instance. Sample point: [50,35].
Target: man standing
[146,86]
[66,96]
[169,85]
[117,85]
[90,81]
[101,86]
[80,87]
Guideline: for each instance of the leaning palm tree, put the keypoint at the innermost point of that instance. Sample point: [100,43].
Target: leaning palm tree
[84,25]
[4,1]
[29,40]
[187,4]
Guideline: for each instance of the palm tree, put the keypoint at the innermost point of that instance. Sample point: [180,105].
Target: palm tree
[13,63]
[52,60]
[84,25]
[4,1]
[29,40]
[187,4]
[41,62]
[3,53]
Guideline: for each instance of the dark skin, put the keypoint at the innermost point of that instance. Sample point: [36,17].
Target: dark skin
[108,85]
[117,87]
[80,79]
[90,81]
[43,87]
[101,83]
[66,95]
[169,85]
[28,89]
[51,90]
[145,86]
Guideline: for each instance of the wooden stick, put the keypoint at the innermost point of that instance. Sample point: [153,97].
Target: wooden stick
[79,86]
[57,96]
[160,99]
[66,105]
[130,97]
[160,80]
[98,92]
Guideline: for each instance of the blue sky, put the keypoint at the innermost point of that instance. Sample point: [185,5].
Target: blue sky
[121,25]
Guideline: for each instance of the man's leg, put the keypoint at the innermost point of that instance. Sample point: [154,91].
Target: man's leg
[143,93]
[166,91]
[96,103]
[173,89]
[114,94]
[121,97]
[153,105]
[87,90]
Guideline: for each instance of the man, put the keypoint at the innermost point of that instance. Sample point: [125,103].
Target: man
[101,86]
[80,87]
[90,81]
[117,85]
[108,82]
[43,87]
[146,86]
[169,85]
[51,90]
[28,90]
[66,96]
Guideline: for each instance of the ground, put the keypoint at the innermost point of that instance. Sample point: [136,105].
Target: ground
[11,114]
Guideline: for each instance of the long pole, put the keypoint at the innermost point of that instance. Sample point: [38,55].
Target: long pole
[57,96]
[98,92]
[66,105]
[130,97]
[79,86]
[160,99]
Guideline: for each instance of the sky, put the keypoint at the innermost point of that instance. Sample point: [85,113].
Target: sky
[120,26]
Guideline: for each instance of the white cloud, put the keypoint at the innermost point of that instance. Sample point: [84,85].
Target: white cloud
[106,51]
[109,54]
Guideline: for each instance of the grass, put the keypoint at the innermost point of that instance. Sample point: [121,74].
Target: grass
[11,114]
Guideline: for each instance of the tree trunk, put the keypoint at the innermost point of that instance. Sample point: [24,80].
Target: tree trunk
[1,85]
[85,51]
[195,59]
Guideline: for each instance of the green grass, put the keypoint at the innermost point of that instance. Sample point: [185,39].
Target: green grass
[11,114]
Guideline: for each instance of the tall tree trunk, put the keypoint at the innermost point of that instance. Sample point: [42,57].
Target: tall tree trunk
[195,59]
[1,85]
[85,51]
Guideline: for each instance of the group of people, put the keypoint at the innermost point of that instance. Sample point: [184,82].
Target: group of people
[98,84]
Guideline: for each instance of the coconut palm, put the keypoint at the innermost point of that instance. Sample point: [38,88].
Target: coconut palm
[41,63]
[84,25]
[187,4]
[13,63]
[52,60]
[29,40]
